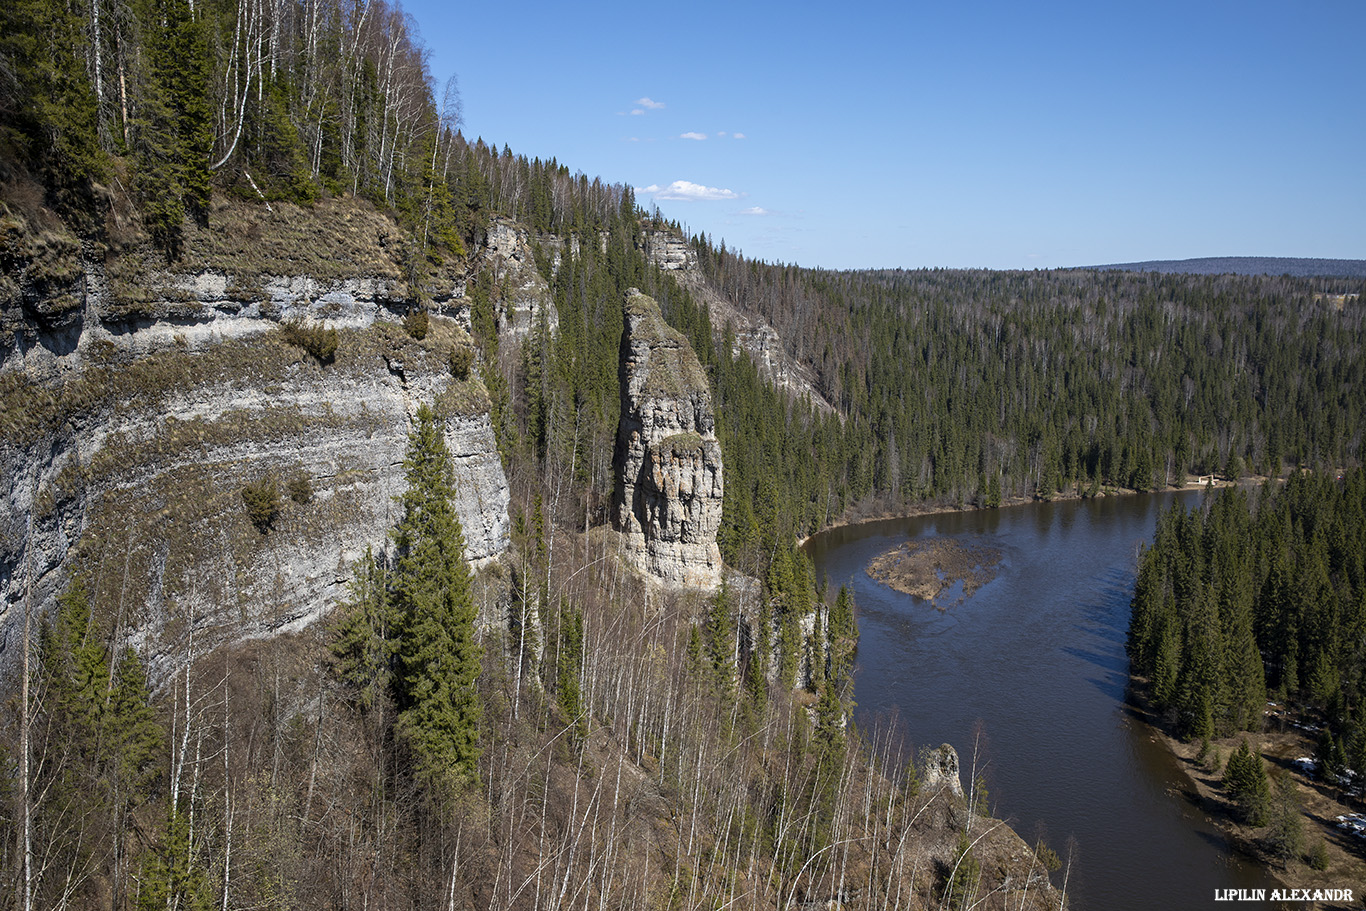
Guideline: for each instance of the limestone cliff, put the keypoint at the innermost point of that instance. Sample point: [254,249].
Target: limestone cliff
[523,290]
[668,462]
[137,407]
[672,253]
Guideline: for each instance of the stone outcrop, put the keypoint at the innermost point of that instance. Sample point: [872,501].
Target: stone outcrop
[672,253]
[668,462]
[127,436]
[941,771]
[668,250]
[525,294]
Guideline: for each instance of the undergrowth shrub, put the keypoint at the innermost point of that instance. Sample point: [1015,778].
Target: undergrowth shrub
[416,323]
[300,488]
[262,500]
[462,357]
[315,338]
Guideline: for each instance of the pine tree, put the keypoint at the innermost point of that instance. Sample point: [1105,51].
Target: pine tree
[103,745]
[756,669]
[1285,815]
[964,876]
[438,656]
[843,636]
[174,134]
[47,109]
[135,735]
[171,876]
[569,661]
[829,745]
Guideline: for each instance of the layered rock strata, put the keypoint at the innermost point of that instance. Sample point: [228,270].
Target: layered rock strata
[129,431]
[668,462]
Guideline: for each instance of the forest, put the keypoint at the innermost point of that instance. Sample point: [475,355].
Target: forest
[973,387]
[1255,597]
[1249,614]
[608,746]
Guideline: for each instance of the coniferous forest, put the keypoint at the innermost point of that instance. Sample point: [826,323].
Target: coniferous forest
[601,748]
[1259,596]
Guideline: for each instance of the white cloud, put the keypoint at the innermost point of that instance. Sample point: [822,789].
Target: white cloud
[636,112]
[687,190]
[754,210]
[722,133]
[693,135]
[646,102]
[739,135]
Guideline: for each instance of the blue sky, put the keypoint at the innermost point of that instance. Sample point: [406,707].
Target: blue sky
[1002,135]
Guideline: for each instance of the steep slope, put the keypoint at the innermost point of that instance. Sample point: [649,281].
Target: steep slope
[754,336]
[139,410]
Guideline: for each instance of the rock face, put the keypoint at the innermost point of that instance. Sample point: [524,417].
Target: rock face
[510,256]
[668,462]
[941,770]
[672,253]
[668,251]
[126,442]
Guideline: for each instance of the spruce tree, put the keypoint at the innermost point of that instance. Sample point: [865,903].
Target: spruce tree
[363,643]
[438,657]
[102,748]
[1245,782]
[843,636]
[720,643]
[569,667]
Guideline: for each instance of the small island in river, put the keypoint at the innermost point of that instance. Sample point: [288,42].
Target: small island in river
[927,568]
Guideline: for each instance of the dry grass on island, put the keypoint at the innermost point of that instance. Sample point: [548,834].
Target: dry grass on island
[926,569]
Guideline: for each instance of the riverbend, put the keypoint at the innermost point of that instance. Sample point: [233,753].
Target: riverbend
[1027,678]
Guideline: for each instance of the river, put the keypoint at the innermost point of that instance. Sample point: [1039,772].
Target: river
[1034,661]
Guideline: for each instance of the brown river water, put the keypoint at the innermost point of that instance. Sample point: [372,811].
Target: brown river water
[1034,661]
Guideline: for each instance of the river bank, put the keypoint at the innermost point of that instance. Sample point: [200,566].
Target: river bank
[916,510]
[1283,742]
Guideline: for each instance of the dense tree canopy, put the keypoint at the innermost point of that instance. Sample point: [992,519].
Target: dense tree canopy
[1256,595]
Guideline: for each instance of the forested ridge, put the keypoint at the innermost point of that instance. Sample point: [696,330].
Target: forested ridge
[601,744]
[973,386]
[1250,265]
[155,104]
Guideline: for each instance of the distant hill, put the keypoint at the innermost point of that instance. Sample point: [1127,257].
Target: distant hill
[1250,265]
